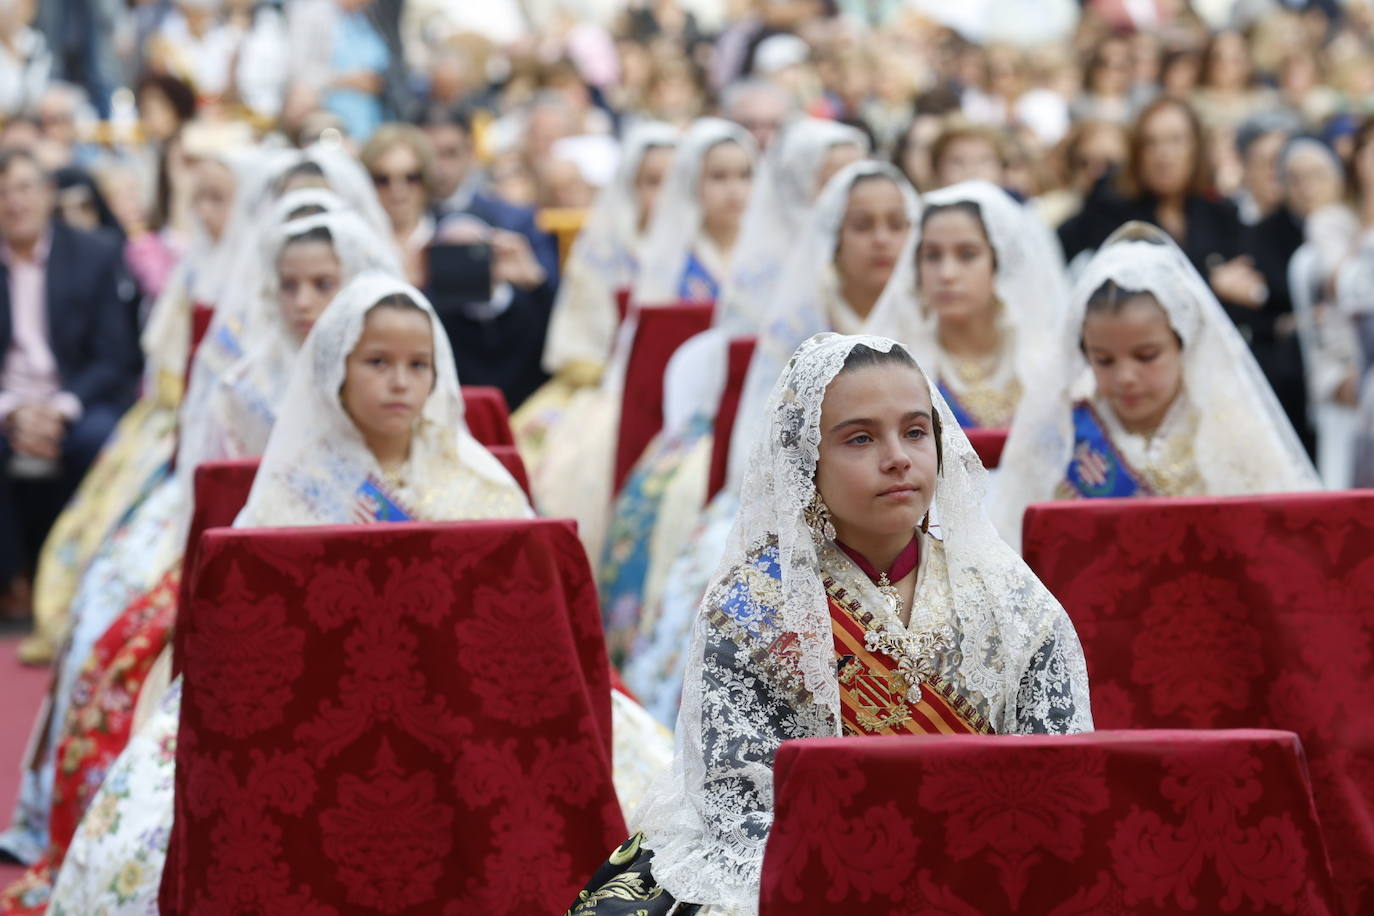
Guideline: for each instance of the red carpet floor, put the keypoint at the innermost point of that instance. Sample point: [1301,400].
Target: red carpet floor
[21,689]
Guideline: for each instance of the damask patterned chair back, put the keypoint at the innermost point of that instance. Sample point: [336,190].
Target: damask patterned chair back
[221,490]
[1151,823]
[408,718]
[1233,613]
[660,331]
[487,415]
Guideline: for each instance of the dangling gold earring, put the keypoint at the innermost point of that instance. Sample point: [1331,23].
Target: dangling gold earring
[817,518]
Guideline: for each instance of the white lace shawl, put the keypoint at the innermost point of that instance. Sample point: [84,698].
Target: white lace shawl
[316,459]
[761,668]
[783,193]
[677,215]
[1244,442]
[1030,281]
[242,406]
[807,301]
[603,259]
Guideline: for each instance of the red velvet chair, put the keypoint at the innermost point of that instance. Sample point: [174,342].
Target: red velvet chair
[1233,613]
[487,415]
[509,456]
[736,368]
[221,488]
[1145,823]
[988,443]
[661,330]
[367,724]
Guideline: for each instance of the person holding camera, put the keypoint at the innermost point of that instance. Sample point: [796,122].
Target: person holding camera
[492,292]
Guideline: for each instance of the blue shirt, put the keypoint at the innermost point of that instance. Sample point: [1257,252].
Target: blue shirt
[357,47]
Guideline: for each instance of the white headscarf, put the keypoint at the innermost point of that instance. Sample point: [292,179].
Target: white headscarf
[761,668]
[677,215]
[803,303]
[243,408]
[231,334]
[602,260]
[782,195]
[1244,441]
[198,275]
[316,460]
[1030,281]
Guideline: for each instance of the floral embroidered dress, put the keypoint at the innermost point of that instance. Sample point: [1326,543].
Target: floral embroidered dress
[795,639]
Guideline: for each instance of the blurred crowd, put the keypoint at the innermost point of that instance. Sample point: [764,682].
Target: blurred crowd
[1239,126]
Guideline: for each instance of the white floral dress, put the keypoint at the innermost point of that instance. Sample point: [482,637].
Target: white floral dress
[114,865]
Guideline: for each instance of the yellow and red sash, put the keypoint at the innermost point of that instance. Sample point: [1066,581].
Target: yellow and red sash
[873,690]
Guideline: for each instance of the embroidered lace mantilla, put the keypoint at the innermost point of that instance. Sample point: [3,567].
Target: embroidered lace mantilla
[762,663]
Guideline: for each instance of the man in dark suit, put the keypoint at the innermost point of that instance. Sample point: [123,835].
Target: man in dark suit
[499,343]
[69,358]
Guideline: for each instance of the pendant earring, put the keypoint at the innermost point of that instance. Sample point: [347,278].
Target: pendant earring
[817,518]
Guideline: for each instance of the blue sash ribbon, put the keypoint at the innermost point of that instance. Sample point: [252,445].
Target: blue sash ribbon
[696,283]
[1088,434]
[961,413]
[378,504]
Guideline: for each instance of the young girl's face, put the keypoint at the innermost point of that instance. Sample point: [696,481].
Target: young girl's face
[956,268]
[872,234]
[653,168]
[878,463]
[389,374]
[308,276]
[726,176]
[212,196]
[1136,360]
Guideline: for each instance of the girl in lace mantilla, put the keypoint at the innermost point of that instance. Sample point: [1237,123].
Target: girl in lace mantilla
[864,592]
[1148,390]
[371,430]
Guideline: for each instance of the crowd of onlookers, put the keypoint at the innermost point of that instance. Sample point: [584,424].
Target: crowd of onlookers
[1240,126]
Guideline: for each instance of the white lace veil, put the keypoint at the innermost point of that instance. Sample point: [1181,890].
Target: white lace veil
[1030,280]
[197,277]
[316,459]
[677,215]
[801,305]
[1244,441]
[243,409]
[602,260]
[768,673]
[231,334]
[782,195]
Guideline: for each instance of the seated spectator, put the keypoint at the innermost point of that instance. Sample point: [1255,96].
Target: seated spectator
[68,358]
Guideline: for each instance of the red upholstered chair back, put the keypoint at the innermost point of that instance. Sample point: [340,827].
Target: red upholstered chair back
[988,443]
[1146,823]
[220,490]
[736,368]
[200,323]
[487,415]
[1233,613]
[622,302]
[661,330]
[367,724]
[509,456]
